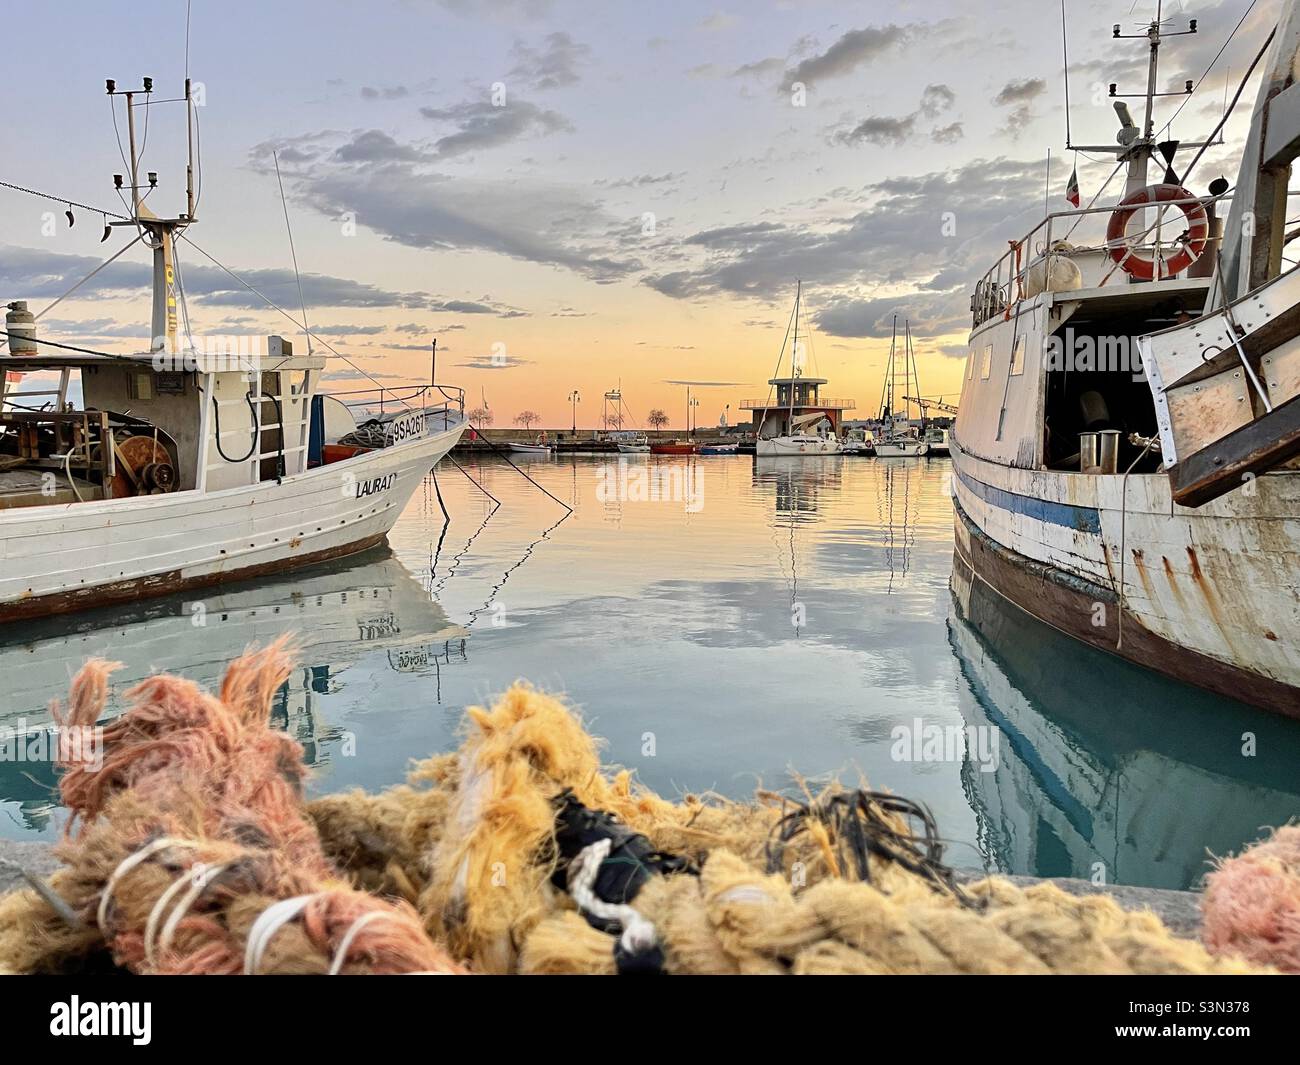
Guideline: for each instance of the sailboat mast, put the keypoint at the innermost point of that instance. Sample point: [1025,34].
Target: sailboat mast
[794,356]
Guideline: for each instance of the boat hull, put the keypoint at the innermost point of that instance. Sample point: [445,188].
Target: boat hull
[1207,597]
[793,447]
[60,559]
[909,450]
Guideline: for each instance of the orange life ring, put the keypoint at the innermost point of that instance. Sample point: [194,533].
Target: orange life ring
[1143,266]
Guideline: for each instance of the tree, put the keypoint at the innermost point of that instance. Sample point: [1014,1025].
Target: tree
[480,416]
[613,421]
[527,418]
[656,419]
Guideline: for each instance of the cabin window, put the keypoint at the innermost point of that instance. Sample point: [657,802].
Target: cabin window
[986,365]
[1018,356]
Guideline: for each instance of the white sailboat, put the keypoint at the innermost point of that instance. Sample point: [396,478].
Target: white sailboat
[190,465]
[1152,512]
[800,421]
[898,438]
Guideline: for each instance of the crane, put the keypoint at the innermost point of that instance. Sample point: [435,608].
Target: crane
[926,404]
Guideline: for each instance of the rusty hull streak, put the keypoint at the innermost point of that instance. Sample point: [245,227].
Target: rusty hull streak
[1064,602]
[28,606]
[1211,597]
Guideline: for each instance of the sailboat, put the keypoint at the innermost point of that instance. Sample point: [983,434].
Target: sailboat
[800,421]
[898,437]
[188,464]
[1151,511]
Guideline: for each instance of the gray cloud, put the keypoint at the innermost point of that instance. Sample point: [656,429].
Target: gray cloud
[880,130]
[374,146]
[554,65]
[947,134]
[392,92]
[894,240]
[848,53]
[481,125]
[1020,92]
[936,99]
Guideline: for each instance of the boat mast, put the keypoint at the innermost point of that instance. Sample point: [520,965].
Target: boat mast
[160,232]
[794,356]
[1135,145]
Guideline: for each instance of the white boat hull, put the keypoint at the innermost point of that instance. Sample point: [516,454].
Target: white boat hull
[1208,595]
[894,449]
[60,558]
[787,446]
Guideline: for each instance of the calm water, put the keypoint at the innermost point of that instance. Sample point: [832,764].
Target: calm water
[721,622]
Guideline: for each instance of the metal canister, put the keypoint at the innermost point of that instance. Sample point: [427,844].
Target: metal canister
[20,326]
[1089,458]
[1108,450]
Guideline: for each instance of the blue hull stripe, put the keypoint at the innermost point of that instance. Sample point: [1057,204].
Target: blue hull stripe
[1082,519]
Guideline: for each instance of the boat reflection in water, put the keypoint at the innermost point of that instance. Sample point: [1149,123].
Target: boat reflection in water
[336,613]
[1106,767]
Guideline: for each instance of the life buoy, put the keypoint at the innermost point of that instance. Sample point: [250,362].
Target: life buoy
[1141,265]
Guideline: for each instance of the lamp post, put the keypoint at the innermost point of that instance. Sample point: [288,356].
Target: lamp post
[575,399]
[693,418]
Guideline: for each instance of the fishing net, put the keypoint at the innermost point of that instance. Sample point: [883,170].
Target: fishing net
[193,851]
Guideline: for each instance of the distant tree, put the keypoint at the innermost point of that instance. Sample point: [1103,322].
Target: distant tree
[613,421]
[527,418]
[656,419]
[480,416]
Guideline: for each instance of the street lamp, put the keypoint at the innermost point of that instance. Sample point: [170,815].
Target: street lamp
[693,419]
[575,399]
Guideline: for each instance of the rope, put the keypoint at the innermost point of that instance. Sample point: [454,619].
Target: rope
[638,934]
[61,199]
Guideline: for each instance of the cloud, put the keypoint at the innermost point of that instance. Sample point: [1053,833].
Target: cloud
[880,130]
[1019,96]
[553,66]
[374,146]
[482,125]
[33,274]
[1020,92]
[891,243]
[928,313]
[393,92]
[640,180]
[494,362]
[936,99]
[947,134]
[848,53]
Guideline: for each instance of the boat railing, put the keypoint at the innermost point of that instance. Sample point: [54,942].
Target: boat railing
[1082,232]
[820,401]
[434,399]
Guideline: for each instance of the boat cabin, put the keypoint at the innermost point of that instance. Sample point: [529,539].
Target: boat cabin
[149,424]
[798,407]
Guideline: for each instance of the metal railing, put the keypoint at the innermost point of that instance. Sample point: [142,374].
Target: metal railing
[1004,284]
[817,401]
[378,401]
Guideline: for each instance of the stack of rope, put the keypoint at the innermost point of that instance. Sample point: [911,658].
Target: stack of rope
[518,853]
[189,850]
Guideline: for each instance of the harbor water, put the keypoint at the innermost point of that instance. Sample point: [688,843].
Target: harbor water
[724,623]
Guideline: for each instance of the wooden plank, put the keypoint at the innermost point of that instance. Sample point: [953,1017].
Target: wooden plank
[1218,469]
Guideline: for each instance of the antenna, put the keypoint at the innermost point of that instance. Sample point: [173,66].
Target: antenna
[1135,144]
[284,204]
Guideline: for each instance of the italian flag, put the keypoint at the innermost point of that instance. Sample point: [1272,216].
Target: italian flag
[1072,189]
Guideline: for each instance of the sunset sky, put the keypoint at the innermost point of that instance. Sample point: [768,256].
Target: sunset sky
[595,193]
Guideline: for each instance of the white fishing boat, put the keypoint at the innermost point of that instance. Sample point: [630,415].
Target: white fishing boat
[630,441]
[899,445]
[189,464]
[795,419]
[1124,455]
[858,441]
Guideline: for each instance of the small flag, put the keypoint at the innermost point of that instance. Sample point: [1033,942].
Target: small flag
[1072,189]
